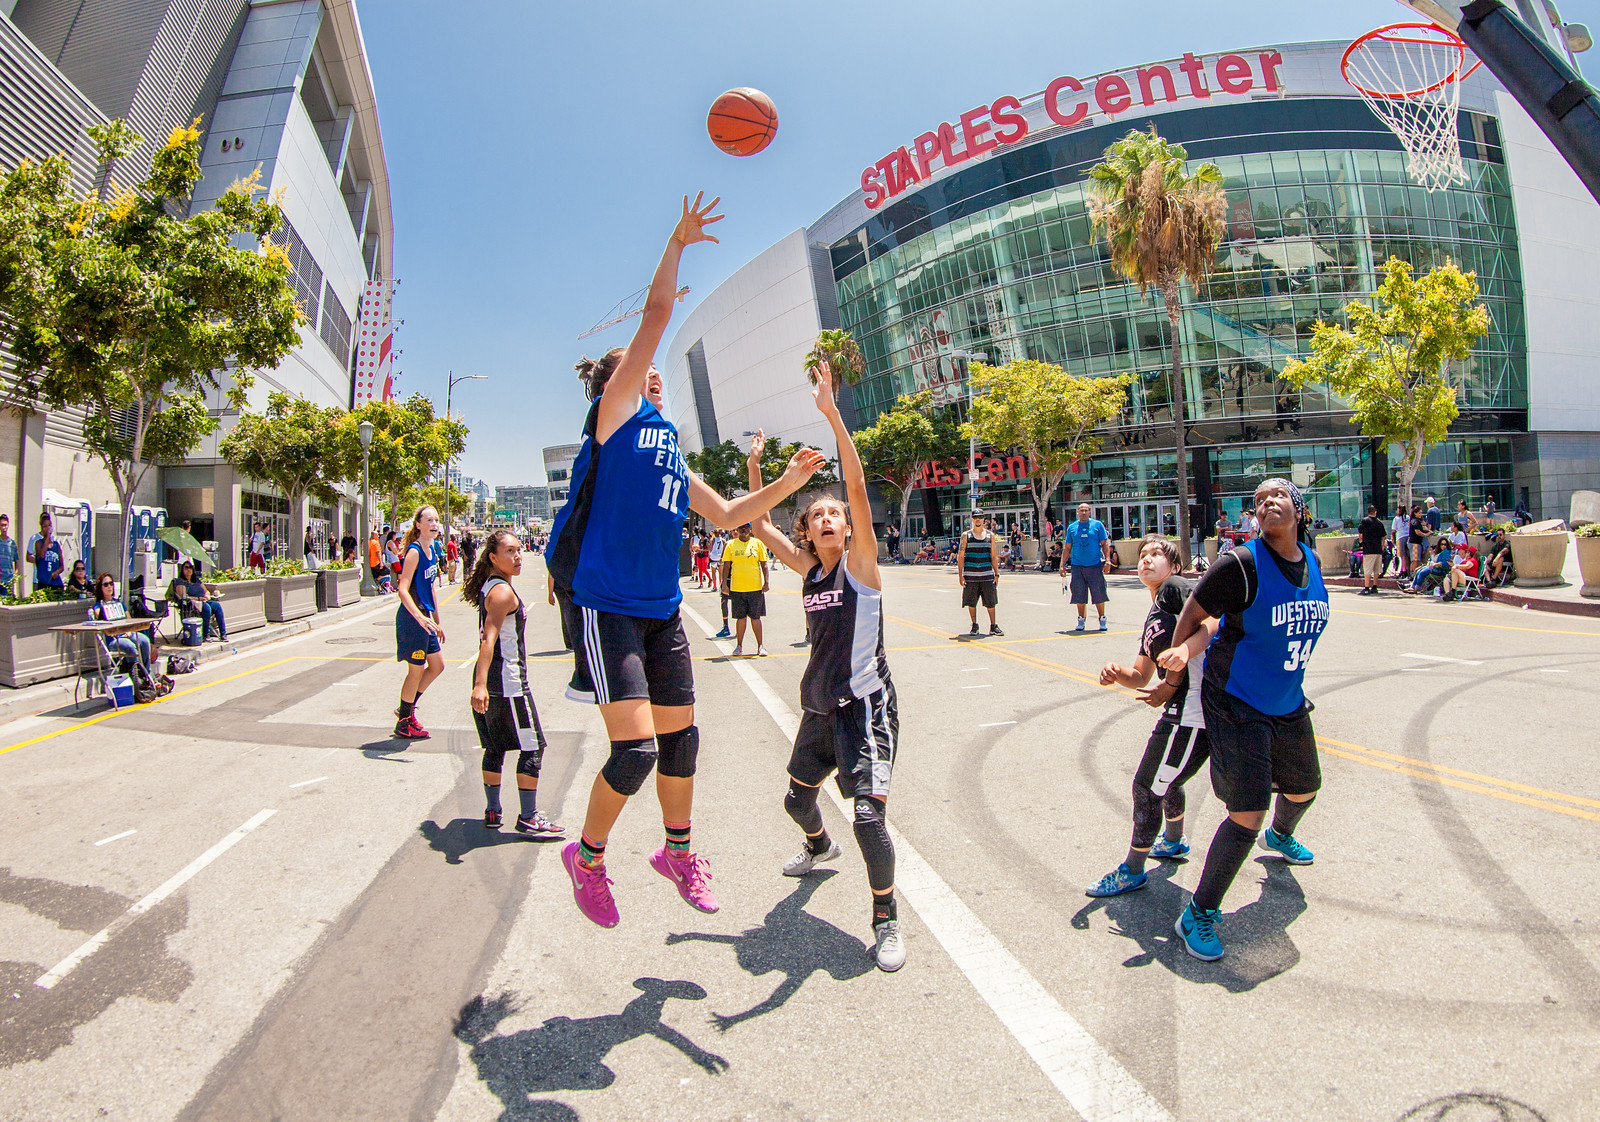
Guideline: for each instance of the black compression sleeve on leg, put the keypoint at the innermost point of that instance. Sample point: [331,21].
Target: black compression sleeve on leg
[1286,814]
[528,761]
[801,803]
[1146,816]
[493,761]
[1174,802]
[872,835]
[1229,848]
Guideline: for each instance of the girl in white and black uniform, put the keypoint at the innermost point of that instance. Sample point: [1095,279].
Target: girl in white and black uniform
[850,724]
[502,704]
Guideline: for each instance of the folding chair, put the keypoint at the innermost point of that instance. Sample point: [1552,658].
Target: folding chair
[145,608]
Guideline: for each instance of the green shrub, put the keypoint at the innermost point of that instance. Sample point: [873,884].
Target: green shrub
[339,565]
[285,567]
[1592,530]
[228,576]
[40,596]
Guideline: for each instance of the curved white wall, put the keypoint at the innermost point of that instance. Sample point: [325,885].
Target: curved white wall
[755,328]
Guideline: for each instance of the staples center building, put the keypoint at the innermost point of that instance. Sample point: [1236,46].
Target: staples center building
[974,240]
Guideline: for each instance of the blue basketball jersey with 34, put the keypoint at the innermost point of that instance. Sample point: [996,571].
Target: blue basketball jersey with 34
[628,562]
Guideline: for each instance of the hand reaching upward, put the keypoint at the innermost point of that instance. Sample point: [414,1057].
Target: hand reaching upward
[822,391]
[692,226]
[758,444]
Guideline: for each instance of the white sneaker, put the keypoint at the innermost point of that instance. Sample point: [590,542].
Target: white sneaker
[891,953]
[761,652]
[804,861]
[738,652]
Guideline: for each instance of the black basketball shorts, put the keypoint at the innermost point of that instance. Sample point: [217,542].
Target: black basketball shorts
[1255,753]
[622,658]
[857,739]
[511,725]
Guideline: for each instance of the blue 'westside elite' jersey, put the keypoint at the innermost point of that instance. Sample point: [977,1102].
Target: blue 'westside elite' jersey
[1260,654]
[618,548]
[422,580]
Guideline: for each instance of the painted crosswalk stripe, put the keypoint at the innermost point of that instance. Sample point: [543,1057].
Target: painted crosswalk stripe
[67,965]
[307,782]
[1091,1079]
[116,837]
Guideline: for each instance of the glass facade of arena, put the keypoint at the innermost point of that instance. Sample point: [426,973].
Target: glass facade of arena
[1000,261]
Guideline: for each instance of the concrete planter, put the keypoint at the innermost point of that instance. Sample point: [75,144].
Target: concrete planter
[1539,558]
[337,587]
[1030,551]
[1589,565]
[1333,552]
[30,652]
[1127,550]
[244,603]
[1210,546]
[290,598]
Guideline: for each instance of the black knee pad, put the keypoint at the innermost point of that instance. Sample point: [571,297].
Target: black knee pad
[679,751]
[528,761]
[1146,816]
[629,765]
[801,803]
[493,761]
[872,835]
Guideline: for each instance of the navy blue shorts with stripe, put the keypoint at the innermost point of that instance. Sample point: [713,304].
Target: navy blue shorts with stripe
[622,658]
[413,643]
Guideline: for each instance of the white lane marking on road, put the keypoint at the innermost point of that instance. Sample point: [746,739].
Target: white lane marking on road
[973,669]
[996,724]
[1443,658]
[116,837]
[985,686]
[1091,1079]
[1036,603]
[67,965]
[307,782]
[1547,670]
[1416,669]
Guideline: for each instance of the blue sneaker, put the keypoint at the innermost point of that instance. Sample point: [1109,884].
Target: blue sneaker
[1117,881]
[1170,849]
[1197,927]
[723,634]
[1284,846]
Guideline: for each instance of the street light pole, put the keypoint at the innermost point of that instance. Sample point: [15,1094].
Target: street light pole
[453,379]
[972,439]
[368,586]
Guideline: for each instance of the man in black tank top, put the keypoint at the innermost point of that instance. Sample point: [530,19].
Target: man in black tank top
[978,570]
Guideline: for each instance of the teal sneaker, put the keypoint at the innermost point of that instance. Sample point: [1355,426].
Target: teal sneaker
[1171,850]
[1197,927]
[1117,881]
[1284,846]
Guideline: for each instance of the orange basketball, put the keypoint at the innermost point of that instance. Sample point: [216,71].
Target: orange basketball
[742,122]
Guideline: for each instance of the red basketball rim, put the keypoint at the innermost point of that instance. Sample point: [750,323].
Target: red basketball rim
[1435,36]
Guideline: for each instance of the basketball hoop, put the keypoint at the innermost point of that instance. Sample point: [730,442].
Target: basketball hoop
[1410,75]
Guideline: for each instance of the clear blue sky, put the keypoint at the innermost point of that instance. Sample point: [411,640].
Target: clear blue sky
[537,152]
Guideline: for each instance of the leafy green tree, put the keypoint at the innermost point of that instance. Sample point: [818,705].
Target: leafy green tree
[1163,225]
[409,443]
[1040,411]
[1392,363]
[903,441]
[775,458]
[132,312]
[839,350]
[721,466]
[291,446]
[426,494]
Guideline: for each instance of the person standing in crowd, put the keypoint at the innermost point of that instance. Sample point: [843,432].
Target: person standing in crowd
[1273,606]
[418,631]
[1463,519]
[469,551]
[502,702]
[614,564]
[258,546]
[850,723]
[308,549]
[1089,558]
[10,558]
[718,550]
[1434,517]
[1400,529]
[1372,535]
[744,572]
[1177,747]
[978,572]
[891,540]
[188,591]
[1420,538]
[347,546]
[45,553]
[452,555]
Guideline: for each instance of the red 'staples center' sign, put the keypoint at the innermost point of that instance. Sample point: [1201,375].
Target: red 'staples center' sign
[1066,102]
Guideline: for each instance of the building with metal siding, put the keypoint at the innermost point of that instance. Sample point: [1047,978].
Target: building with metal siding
[992,254]
[282,85]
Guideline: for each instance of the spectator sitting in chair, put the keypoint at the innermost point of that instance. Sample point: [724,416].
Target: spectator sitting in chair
[189,593]
[1498,563]
[1463,565]
[1432,574]
[135,644]
[78,580]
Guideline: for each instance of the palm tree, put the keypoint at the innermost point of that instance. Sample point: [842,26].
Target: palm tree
[839,350]
[1163,225]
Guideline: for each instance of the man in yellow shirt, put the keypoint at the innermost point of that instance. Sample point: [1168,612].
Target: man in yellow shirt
[744,575]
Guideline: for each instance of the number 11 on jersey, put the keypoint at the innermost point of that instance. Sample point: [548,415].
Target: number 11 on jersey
[671,488]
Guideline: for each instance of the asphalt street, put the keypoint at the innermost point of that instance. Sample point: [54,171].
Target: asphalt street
[248,902]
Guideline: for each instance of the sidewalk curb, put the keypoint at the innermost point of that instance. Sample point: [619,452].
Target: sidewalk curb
[45,696]
[1508,596]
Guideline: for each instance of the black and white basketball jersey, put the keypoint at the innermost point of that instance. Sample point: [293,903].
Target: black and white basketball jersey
[508,665]
[847,656]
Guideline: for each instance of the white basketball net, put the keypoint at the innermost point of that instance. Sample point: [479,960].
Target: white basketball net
[1410,75]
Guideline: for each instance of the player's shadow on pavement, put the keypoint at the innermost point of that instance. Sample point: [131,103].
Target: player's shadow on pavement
[1256,936]
[566,1054]
[461,836]
[792,942]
